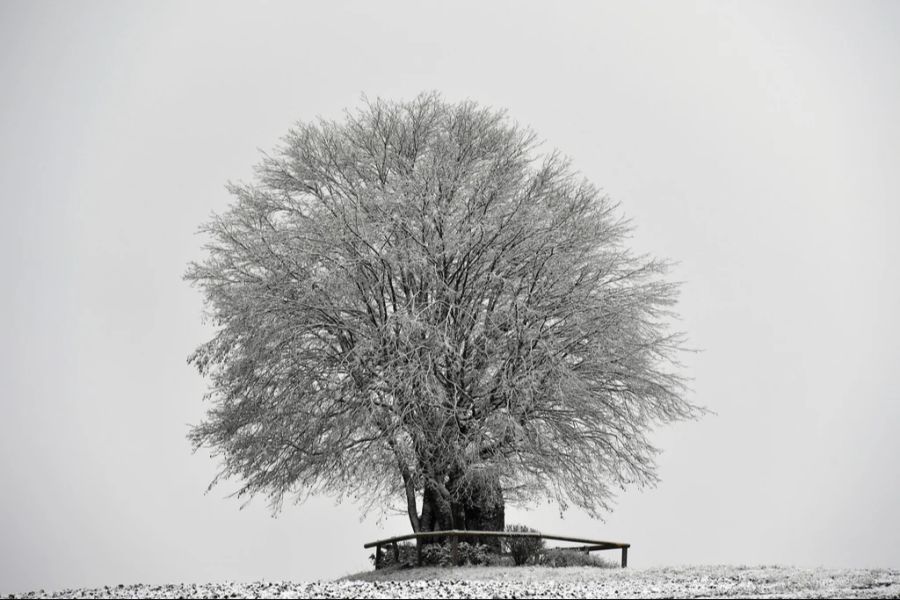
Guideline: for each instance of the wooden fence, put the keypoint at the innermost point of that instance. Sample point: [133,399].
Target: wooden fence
[454,536]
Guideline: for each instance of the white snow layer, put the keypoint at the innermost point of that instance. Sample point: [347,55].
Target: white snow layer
[540,582]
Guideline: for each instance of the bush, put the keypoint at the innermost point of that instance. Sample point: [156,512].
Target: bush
[469,554]
[565,557]
[522,549]
[436,555]
[406,552]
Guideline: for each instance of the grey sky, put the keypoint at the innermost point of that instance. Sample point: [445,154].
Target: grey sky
[756,143]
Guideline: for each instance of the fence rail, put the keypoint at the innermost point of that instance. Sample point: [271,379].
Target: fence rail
[454,536]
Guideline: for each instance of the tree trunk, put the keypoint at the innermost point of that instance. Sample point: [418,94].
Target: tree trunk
[481,508]
[484,509]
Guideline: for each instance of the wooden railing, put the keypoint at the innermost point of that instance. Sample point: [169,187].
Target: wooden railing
[454,536]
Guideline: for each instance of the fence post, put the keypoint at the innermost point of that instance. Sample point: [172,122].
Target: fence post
[377,557]
[624,556]
[419,551]
[454,550]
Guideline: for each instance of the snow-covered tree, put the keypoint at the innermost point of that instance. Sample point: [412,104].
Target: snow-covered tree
[415,303]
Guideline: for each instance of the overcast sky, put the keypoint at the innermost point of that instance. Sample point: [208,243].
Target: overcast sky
[757,144]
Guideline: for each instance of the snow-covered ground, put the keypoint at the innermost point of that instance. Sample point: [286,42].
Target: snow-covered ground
[542,582]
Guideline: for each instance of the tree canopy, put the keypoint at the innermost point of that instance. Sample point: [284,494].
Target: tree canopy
[416,303]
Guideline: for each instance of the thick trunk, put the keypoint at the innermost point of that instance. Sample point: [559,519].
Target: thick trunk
[481,508]
[410,500]
[440,511]
[484,510]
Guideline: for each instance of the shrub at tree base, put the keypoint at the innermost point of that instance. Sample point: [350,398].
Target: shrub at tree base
[522,549]
[438,555]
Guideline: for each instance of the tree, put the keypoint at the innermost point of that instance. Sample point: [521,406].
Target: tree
[416,303]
